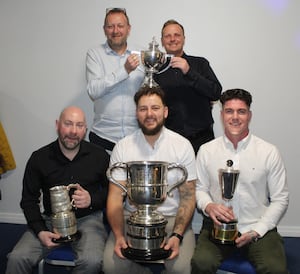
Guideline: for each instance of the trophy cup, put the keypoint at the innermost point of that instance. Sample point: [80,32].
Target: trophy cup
[146,188]
[153,60]
[226,233]
[63,217]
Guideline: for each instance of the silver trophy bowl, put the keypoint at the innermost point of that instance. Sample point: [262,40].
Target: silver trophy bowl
[153,60]
[147,188]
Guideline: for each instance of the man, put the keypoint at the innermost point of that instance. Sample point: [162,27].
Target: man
[67,160]
[260,199]
[190,86]
[156,143]
[113,77]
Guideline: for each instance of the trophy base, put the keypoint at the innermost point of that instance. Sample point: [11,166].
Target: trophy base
[146,255]
[225,234]
[222,241]
[70,238]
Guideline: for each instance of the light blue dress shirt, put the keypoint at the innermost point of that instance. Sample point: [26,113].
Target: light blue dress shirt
[112,90]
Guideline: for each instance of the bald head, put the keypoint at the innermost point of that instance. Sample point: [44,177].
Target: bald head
[71,128]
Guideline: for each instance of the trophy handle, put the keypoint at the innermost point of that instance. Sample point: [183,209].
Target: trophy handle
[182,179]
[168,58]
[70,186]
[111,179]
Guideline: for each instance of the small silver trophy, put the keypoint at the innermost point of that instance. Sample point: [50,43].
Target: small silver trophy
[153,60]
[226,233]
[63,217]
[146,188]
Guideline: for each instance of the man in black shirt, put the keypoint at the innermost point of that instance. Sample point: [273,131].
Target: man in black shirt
[69,159]
[190,86]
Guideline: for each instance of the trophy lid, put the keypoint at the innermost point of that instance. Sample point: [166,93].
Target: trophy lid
[153,46]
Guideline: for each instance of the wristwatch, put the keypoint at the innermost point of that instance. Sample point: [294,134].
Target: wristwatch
[180,237]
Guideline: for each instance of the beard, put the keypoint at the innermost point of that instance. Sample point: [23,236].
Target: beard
[69,144]
[151,131]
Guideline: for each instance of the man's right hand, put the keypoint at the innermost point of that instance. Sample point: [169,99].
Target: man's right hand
[46,238]
[219,213]
[120,244]
[132,63]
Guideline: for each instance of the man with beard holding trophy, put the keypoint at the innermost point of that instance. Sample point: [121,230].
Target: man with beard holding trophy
[255,169]
[153,142]
[68,160]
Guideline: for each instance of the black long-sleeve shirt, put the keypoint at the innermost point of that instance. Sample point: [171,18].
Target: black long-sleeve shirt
[189,96]
[48,167]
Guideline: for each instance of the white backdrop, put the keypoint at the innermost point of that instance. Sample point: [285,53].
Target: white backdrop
[253,45]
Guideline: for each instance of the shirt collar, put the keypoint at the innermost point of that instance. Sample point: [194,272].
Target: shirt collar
[241,144]
[158,141]
[110,51]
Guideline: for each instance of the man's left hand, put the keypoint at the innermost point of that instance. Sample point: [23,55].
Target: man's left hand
[81,197]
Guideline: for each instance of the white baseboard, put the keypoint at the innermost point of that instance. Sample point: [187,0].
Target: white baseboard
[12,218]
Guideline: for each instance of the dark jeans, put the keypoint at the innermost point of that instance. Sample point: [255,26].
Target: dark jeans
[267,254]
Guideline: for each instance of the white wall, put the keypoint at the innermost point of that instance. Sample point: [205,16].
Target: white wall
[253,45]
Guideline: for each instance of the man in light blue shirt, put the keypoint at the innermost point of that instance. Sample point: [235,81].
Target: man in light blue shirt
[113,77]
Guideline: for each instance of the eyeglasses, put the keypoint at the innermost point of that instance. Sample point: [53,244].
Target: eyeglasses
[109,10]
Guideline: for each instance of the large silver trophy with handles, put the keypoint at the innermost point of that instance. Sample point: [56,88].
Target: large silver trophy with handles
[147,188]
[226,233]
[63,217]
[153,60]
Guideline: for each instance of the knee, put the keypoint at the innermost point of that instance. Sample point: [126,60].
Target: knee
[272,268]
[200,265]
[93,263]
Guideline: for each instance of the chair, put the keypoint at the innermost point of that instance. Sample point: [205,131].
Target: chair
[64,256]
[61,256]
[236,264]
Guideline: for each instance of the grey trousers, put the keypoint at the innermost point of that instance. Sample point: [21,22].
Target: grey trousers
[179,265]
[89,248]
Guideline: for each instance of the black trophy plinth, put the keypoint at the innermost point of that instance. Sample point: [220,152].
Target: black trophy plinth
[146,255]
[70,238]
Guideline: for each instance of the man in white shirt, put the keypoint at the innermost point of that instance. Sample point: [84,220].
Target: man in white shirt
[153,142]
[260,199]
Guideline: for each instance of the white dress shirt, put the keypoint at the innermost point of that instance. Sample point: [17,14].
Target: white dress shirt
[170,147]
[261,196]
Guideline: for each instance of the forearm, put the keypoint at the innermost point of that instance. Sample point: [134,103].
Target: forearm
[186,207]
[98,83]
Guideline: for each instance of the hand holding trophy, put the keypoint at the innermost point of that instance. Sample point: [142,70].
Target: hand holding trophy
[227,232]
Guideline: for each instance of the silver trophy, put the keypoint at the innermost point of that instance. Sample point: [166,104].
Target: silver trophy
[63,217]
[226,233]
[153,60]
[147,188]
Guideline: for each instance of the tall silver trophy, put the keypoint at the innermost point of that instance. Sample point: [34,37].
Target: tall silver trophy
[147,188]
[154,60]
[226,233]
[63,217]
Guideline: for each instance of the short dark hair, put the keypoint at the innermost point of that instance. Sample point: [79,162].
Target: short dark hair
[147,91]
[171,22]
[240,94]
